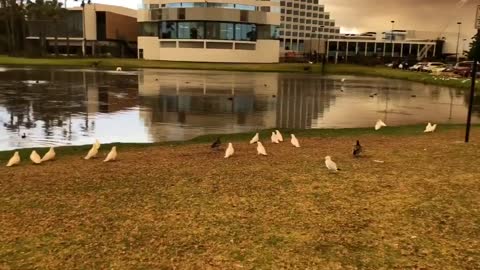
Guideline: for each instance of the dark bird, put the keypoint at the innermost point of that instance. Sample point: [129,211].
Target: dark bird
[156,79]
[216,144]
[274,96]
[265,85]
[357,149]
[413,95]
[24,136]
[230,98]
[372,96]
[187,82]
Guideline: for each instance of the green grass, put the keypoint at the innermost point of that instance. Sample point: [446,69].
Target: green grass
[186,207]
[239,137]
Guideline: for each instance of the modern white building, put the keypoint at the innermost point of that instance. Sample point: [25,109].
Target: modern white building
[235,31]
[303,20]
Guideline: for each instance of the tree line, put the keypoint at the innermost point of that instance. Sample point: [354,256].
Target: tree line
[15,17]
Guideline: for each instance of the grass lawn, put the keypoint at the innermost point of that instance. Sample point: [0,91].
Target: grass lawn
[184,206]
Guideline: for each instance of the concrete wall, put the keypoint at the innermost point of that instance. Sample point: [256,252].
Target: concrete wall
[121,27]
[266,51]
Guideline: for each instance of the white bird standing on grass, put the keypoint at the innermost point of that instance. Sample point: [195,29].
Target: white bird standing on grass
[92,153]
[279,135]
[332,166]
[50,155]
[261,149]
[35,158]
[379,125]
[430,128]
[230,151]
[255,138]
[343,80]
[119,69]
[97,144]
[14,160]
[274,138]
[294,141]
[112,156]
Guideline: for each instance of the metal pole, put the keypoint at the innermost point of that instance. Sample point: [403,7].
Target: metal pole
[472,89]
[458,40]
[84,51]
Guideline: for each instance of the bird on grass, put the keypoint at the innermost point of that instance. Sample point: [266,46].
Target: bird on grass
[279,135]
[50,155]
[14,160]
[261,149]
[379,125]
[112,156]
[255,138]
[35,157]
[430,128]
[274,138]
[24,136]
[119,69]
[92,153]
[216,144]
[357,149]
[230,151]
[332,166]
[294,141]
[97,144]
[343,80]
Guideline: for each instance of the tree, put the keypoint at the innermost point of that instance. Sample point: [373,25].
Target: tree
[474,48]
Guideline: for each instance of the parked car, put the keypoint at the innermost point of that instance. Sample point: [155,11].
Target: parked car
[417,66]
[430,66]
[464,68]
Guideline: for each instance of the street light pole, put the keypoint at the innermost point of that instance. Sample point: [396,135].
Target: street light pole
[391,33]
[458,39]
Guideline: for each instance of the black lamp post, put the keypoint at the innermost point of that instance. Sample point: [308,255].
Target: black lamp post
[458,40]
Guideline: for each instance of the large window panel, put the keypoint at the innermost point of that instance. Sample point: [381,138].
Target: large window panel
[148,29]
[222,31]
[245,32]
[191,30]
[168,30]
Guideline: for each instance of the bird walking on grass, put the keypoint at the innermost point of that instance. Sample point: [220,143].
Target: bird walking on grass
[274,138]
[379,125]
[112,156]
[230,150]
[430,128]
[14,160]
[255,138]
[357,149]
[279,135]
[97,144]
[294,141]
[332,166]
[261,149]
[50,155]
[216,144]
[35,158]
[92,153]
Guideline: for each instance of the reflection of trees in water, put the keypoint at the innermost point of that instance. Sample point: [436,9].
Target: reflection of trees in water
[302,100]
[56,102]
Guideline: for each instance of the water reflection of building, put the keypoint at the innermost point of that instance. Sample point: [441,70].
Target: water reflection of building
[217,101]
[300,101]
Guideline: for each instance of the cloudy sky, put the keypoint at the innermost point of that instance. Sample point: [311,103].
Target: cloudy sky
[375,15]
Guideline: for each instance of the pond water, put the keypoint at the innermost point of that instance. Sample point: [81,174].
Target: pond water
[73,106]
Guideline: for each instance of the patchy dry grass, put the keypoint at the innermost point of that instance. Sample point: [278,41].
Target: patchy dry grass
[186,207]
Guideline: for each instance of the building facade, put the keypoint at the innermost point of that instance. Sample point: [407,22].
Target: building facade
[95,30]
[235,31]
[301,21]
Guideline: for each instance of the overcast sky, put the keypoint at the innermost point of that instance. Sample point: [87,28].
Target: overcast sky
[375,15]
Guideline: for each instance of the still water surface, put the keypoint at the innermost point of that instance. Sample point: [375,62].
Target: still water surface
[72,106]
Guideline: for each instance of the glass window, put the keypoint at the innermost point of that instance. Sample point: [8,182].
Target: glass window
[321,9]
[267,32]
[314,29]
[308,21]
[154,6]
[320,16]
[288,26]
[302,20]
[191,30]
[295,19]
[309,7]
[301,34]
[302,6]
[302,27]
[295,27]
[327,16]
[314,15]
[245,32]
[295,12]
[314,22]
[148,29]
[173,5]
[289,19]
[289,11]
[302,13]
[265,9]
[168,30]
[315,8]
[282,18]
[215,30]
[289,4]
[243,7]
[309,14]
[307,34]
[288,33]
[295,34]
[296,5]
[282,10]
[282,3]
